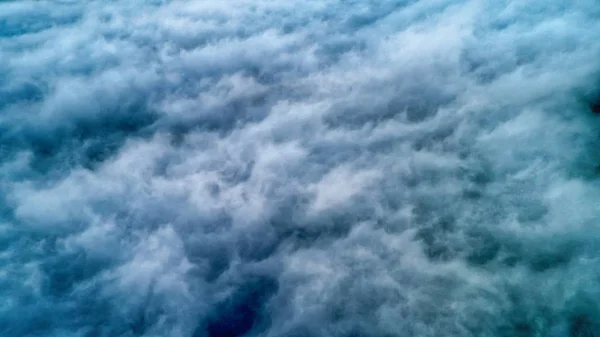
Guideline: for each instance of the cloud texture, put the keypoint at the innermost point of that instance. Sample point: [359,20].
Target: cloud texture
[299,168]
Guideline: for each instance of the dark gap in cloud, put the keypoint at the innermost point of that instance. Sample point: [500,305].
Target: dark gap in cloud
[20,92]
[66,271]
[524,317]
[585,320]
[443,240]
[333,51]
[482,246]
[244,312]
[258,245]
[582,316]
[413,105]
[85,143]
[581,327]
[557,256]
[435,238]
[213,258]
[586,165]
[298,230]
[38,18]
[434,139]
[292,228]
[373,13]
[475,176]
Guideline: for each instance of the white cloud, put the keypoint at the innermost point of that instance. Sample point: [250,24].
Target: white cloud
[322,168]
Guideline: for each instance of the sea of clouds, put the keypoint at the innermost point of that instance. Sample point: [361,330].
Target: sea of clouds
[299,168]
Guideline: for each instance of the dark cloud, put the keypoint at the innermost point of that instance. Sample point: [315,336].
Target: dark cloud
[298,168]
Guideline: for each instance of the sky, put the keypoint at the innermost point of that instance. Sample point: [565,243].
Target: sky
[299,168]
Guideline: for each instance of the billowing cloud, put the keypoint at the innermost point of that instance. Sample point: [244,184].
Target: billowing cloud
[299,168]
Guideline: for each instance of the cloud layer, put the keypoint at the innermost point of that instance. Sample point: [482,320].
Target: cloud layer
[299,168]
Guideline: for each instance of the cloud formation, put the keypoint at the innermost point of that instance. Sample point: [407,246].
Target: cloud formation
[299,168]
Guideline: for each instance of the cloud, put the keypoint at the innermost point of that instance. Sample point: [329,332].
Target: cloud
[303,168]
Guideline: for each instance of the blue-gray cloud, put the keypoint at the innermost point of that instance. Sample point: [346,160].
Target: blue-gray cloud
[299,168]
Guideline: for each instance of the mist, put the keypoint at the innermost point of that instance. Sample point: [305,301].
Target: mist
[299,168]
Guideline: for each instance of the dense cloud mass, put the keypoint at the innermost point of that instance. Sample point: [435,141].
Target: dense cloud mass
[299,168]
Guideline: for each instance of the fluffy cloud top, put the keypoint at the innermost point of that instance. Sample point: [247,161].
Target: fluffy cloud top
[299,168]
